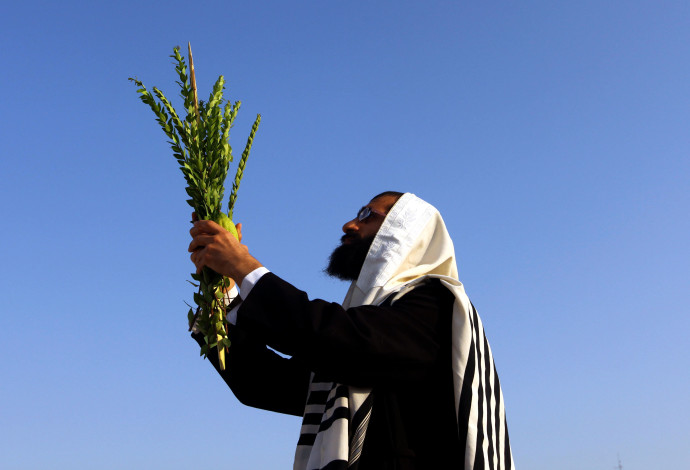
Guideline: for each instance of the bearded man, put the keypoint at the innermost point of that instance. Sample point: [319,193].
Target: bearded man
[398,376]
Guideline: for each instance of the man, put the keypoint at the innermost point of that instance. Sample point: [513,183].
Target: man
[398,376]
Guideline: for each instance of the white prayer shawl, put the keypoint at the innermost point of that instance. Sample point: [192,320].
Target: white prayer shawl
[411,246]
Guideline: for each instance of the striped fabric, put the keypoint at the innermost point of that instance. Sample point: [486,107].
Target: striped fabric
[480,405]
[411,247]
[335,422]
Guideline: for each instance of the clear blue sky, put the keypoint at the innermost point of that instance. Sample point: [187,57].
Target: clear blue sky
[552,136]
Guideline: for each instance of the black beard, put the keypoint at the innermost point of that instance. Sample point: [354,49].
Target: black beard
[347,260]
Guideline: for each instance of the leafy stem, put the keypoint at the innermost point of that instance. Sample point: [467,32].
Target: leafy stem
[201,145]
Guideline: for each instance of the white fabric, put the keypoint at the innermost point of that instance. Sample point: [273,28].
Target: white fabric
[413,245]
[245,288]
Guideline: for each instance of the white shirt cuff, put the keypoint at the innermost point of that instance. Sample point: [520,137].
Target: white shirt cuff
[250,280]
[247,285]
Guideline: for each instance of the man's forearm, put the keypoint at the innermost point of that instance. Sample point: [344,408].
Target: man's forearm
[242,267]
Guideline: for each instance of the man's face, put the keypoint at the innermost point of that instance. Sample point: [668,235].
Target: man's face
[347,259]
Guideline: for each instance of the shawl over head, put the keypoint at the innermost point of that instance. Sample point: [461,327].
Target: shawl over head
[411,246]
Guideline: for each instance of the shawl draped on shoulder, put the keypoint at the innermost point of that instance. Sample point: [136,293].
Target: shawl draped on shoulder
[412,246]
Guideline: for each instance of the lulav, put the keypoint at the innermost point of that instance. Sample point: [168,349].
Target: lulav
[200,144]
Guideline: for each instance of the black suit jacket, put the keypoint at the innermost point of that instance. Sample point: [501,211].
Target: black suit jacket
[402,351]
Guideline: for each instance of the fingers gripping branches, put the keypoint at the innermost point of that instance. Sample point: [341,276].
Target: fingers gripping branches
[201,146]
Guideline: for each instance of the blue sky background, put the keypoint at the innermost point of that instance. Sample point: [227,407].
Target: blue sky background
[552,136]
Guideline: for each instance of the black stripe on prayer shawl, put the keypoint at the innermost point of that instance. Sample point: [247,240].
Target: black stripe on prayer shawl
[306,439]
[507,455]
[339,413]
[497,418]
[500,423]
[318,397]
[312,418]
[335,465]
[486,374]
[489,395]
[506,451]
[495,450]
[356,425]
[465,406]
[340,392]
[479,445]
[479,463]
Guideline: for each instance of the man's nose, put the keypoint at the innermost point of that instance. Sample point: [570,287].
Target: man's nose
[351,226]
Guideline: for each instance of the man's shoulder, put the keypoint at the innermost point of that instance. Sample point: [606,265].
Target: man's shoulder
[430,290]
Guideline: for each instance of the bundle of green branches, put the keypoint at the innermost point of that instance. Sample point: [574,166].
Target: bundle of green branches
[200,144]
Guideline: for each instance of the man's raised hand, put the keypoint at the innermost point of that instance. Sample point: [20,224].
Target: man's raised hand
[218,249]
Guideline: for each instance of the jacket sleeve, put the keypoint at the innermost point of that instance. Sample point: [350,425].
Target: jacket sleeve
[259,377]
[361,346]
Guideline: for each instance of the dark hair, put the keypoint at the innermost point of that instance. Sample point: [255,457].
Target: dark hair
[394,194]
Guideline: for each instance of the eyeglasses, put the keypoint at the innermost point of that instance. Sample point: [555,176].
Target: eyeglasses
[365,212]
